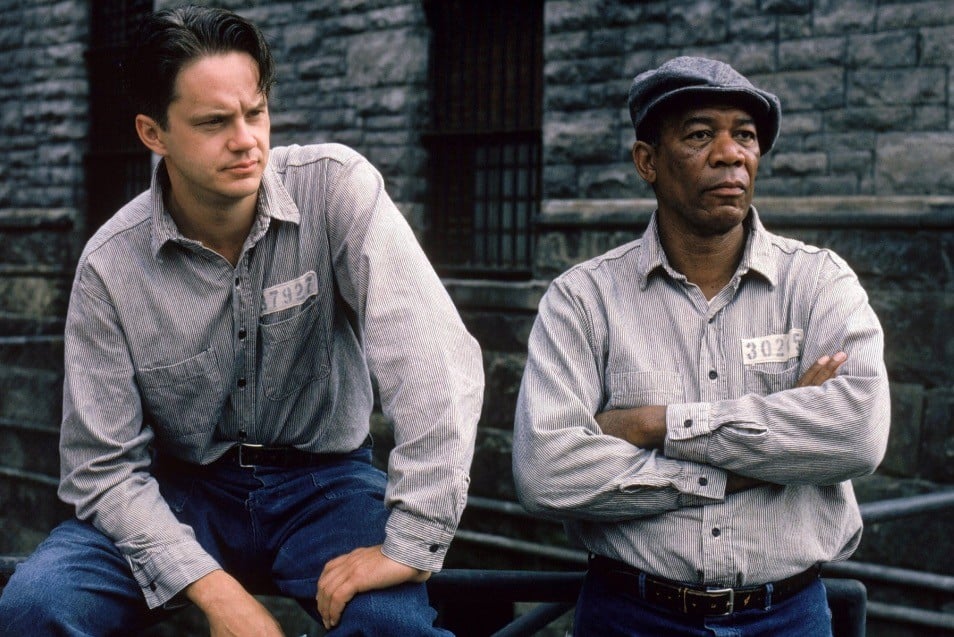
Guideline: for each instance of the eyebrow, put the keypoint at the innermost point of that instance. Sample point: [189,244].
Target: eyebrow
[705,119]
[227,112]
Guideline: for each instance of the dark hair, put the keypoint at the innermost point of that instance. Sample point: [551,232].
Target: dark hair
[168,40]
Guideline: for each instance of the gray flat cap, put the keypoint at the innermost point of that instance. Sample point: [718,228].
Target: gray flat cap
[701,81]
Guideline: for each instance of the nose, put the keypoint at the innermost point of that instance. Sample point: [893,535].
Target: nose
[242,138]
[726,150]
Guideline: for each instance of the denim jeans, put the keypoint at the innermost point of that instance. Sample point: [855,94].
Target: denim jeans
[273,529]
[603,610]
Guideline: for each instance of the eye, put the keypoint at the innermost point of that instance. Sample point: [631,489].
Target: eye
[699,135]
[746,135]
[212,122]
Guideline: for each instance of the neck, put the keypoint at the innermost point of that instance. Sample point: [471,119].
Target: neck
[709,262]
[222,228]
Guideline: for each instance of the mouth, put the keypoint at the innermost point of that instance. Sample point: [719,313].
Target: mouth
[243,167]
[727,189]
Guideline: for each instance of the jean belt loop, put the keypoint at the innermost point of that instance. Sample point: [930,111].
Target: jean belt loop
[642,585]
[768,596]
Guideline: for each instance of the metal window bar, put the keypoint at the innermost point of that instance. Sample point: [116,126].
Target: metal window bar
[117,165]
[484,147]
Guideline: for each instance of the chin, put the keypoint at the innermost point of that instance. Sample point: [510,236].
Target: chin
[724,220]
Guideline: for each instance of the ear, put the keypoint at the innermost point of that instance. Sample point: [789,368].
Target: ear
[150,133]
[644,158]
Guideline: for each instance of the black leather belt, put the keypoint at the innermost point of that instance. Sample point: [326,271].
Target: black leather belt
[245,455]
[700,600]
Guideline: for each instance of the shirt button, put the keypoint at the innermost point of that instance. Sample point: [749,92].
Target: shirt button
[241,382]
[713,374]
[237,281]
[703,481]
[241,335]
[716,532]
[243,435]
[687,424]
[434,548]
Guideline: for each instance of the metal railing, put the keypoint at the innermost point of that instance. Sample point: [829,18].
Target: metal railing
[555,592]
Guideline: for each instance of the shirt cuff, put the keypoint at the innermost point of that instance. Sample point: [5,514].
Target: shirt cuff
[687,431]
[164,573]
[704,484]
[415,542]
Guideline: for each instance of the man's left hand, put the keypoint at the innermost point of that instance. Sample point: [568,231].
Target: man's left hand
[363,569]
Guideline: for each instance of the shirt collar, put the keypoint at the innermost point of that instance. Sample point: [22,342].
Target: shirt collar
[274,202]
[757,257]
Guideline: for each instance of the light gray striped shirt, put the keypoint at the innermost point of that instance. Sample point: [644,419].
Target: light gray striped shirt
[168,345]
[626,330]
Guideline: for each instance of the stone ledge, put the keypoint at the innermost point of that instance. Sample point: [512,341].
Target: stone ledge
[935,212]
[35,218]
[496,295]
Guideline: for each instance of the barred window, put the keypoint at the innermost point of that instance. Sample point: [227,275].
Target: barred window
[484,144]
[118,166]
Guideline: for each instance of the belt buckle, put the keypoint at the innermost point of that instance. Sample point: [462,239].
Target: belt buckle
[720,591]
[241,459]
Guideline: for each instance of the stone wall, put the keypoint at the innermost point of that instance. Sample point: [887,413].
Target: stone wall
[43,103]
[353,72]
[865,89]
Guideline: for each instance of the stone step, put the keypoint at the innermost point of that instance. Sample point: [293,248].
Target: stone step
[31,395]
[29,447]
[34,293]
[32,351]
[30,510]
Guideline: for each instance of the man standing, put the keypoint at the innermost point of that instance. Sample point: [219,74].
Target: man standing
[223,331]
[695,402]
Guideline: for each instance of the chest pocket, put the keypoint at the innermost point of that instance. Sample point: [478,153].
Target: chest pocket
[294,351]
[183,398]
[768,378]
[641,388]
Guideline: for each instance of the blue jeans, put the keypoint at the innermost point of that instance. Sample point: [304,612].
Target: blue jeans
[603,610]
[273,529]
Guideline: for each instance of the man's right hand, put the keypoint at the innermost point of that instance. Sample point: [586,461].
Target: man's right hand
[230,609]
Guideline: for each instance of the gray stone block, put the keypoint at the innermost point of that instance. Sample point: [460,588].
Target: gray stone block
[699,22]
[892,49]
[503,373]
[896,86]
[908,163]
[811,53]
[31,395]
[904,15]
[817,89]
[937,450]
[902,458]
[587,137]
[841,16]
[800,164]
